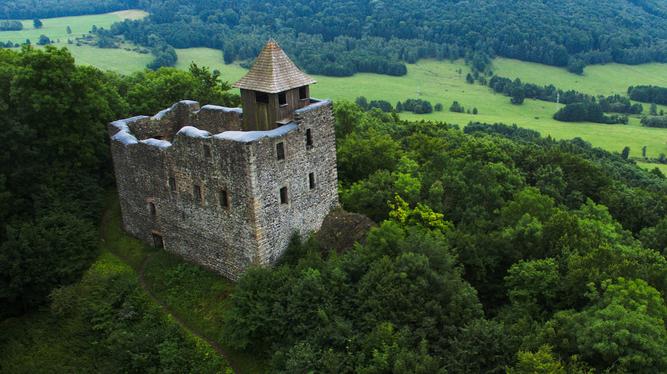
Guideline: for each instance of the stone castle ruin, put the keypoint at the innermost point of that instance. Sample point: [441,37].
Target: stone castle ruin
[227,188]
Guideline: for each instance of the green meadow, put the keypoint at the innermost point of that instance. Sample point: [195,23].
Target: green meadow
[436,81]
[444,82]
[118,60]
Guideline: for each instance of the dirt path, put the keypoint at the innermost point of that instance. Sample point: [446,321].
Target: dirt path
[168,310]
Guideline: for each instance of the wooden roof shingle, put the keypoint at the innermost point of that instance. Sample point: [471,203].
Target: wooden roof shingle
[273,72]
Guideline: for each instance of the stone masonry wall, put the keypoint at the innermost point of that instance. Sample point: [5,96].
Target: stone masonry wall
[306,207]
[255,228]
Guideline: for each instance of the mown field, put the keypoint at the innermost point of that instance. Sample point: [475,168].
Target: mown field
[436,81]
[444,82]
[118,60]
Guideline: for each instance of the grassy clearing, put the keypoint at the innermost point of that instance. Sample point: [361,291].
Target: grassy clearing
[211,58]
[56,28]
[606,79]
[118,60]
[440,81]
[197,296]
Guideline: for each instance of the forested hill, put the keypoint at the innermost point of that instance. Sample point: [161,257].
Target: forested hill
[335,37]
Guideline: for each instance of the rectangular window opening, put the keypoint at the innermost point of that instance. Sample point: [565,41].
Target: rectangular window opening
[283,196]
[152,209]
[158,242]
[309,139]
[280,151]
[282,98]
[224,199]
[207,151]
[303,92]
[197,194]
[311,180]
[261,97]
[172,184]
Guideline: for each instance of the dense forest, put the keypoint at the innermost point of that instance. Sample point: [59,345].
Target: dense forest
[495,249]
[340,38]
[26,9]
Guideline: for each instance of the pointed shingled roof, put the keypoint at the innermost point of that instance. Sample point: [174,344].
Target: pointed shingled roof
[273,72]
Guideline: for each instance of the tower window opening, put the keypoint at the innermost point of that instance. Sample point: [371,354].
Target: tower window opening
[261,97]
[172,184]
[282,98]
[303,92]
[280,151]
[152,209]
[311,180]
[197,194]
[309,139]
[207,151]
[224,199]
[283,196]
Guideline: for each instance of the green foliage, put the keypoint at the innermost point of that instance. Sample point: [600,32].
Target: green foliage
[388,305]
[336,39]
[649,94]
[623,329]
[6,25]
[151,91]
[40,256]
[53,169]
[587,111]
[540,362]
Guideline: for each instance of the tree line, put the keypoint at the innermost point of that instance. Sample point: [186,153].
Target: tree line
[25,9]
[10,25]
[517,89]
[648,94]
[332,38]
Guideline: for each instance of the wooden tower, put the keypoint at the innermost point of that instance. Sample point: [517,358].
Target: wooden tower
[272,90]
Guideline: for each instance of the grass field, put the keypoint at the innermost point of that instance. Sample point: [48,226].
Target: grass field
[436,81]
[118,60]
[440,81]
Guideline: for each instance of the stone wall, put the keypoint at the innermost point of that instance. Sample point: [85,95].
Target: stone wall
[173,188]
[306,207]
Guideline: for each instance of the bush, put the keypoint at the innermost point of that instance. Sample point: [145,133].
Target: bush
[655,121]
[417,106]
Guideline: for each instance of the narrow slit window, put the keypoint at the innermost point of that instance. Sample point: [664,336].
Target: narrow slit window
[280,151]
[197,194]
[224,199]
[283,196]
[172,184]
[152,209]
[311,180]
[309,138]
[261,97]
[303,92]
[282,99]
[207,151]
